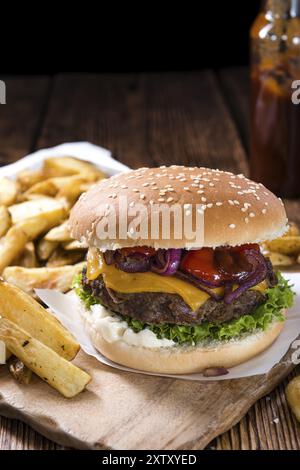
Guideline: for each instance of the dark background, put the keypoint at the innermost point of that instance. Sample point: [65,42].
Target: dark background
[146,36]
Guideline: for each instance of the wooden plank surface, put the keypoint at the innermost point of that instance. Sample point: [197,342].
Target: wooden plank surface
[148,119]
[22,116]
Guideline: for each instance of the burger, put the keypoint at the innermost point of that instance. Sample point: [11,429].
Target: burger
[170,304]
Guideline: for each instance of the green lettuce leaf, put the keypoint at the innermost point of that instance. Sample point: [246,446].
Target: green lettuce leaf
[277,298]
[87,298]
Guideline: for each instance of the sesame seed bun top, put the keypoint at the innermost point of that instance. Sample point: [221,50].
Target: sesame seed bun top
[235,209]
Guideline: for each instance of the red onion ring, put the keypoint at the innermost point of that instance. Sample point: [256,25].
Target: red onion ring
[133,263]
[166,262]
[259,273]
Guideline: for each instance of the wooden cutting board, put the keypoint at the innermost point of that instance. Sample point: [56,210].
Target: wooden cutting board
[122,410]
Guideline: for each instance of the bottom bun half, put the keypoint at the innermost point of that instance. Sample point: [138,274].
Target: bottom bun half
[182,359]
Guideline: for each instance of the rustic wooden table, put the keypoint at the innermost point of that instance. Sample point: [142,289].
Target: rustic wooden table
[146,120]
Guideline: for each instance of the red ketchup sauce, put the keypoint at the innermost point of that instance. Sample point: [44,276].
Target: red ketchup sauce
[216,266]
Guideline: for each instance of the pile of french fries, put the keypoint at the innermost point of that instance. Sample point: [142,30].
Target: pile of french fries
[285,250]
[38,342]
[36,250]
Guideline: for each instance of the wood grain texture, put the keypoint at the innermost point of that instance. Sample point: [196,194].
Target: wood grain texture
[235,85]
[121,410]
[149,120]
[22,116]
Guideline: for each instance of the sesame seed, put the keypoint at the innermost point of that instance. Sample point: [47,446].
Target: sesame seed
[170,199]
[246,220]
[186,188]
[145,184]
[142,196]
[231,225]
[244,209]
[161,199]
[236,202]
[266,203]
[135,190]
[211,184]
[114,195]
[203,199]
[231,202]
[252,214]
[264,211]
[201,186]
[124,186]
[209,205]
[131,204]
[182,179]
[219,203]
[200,191]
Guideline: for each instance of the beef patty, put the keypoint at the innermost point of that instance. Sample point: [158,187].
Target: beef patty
[159,307]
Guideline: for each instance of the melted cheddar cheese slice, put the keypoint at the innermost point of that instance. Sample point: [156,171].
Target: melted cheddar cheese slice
[130,283]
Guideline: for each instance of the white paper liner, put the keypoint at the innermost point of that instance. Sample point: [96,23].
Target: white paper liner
[67,308]
[83,150]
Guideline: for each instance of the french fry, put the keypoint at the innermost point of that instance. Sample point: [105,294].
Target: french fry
[28,178]
[278,259]
[11,246]
[46,187]
[71,191]
[20,308]
[74,245]
[19,371]
[28,257]
[50,187]
[45,249]
[8,191]
[60,374]
[5,220]
[60,233]
[29,279]
[288,245]
[61,257]
[29,209]
[292,392]
[40,224]
[68,166]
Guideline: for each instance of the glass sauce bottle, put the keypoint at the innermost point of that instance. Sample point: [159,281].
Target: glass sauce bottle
[275,120]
